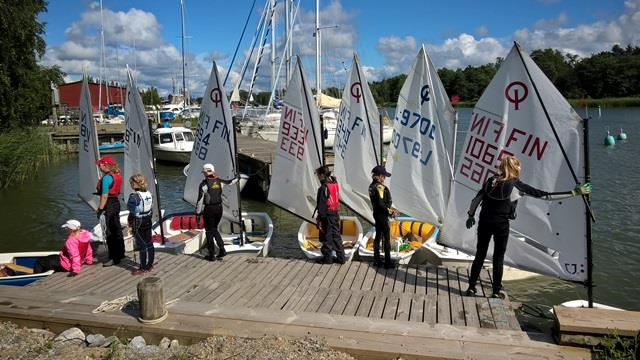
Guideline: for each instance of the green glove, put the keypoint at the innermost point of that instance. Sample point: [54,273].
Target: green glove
[470,222]
[581,189]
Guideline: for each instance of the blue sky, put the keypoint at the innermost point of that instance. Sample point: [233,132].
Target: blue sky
[386,34]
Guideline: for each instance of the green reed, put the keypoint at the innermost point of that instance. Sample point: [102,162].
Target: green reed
[22,153]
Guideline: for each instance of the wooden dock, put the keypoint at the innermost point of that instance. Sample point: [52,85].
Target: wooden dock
[408,311]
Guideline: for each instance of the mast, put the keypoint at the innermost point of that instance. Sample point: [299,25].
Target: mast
[287,49]
[318,53]
[587,178]
[155,180]
[273,44]
[101,61]
[184,83]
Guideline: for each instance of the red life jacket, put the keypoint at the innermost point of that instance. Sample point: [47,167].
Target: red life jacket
[333,202]
[114,189]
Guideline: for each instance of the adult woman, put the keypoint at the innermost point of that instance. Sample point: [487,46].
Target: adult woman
[499,197]
[76,251]
[210,206]
[140,207]
[108,212]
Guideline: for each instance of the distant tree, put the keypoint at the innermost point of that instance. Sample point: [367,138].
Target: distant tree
[25,95]
[558,70]
[150,96]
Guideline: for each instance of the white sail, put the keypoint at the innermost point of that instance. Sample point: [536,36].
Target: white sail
[420,153]
[88,173]
[215,144]
[235,95]
[357,143]
[298,150]
[546,237]
[138,156]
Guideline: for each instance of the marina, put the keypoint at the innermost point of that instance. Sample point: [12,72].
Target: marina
[414,311]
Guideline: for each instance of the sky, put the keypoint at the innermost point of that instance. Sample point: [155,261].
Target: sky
[386,35]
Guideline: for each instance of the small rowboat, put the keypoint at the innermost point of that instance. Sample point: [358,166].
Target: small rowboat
[16,269]
[350,230]
[407,236]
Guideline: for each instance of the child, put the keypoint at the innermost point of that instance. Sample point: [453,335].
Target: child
[76,251]
[140,207]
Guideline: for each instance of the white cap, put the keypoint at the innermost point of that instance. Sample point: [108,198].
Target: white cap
[208,167]
[72,224]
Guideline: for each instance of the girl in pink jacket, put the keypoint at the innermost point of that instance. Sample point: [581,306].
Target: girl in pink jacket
[76,251]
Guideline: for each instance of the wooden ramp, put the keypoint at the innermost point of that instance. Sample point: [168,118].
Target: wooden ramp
[416,312]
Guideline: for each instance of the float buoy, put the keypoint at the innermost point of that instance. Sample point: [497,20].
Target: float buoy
[622,135]
[609,140]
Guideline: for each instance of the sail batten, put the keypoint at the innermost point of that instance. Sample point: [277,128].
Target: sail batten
[293,181]
[214,143]
[512,117]
[87,149]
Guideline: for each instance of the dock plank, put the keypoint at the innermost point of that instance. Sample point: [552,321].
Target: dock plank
[444,302]
[455,298]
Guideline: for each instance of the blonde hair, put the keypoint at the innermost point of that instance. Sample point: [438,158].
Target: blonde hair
[114,168]
[138,182]
[509,168]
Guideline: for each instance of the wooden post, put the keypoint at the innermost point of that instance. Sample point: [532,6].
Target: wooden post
[151,300]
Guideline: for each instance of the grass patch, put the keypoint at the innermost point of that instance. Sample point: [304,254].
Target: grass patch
[615,347]
[22,153]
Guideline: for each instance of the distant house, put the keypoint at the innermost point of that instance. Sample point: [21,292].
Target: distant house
[70,95]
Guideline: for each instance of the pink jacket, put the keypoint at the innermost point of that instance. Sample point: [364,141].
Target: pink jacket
[76,251]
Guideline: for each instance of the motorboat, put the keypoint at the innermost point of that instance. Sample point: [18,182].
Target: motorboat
[173,144]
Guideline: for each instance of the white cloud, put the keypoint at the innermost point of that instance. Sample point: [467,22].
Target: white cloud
[155,61]
[584,39]
[398,53]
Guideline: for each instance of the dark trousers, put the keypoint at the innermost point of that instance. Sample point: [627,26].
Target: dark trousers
[46,263]
[330,238]
[115,240]
[500,233]
[382,233]
[142,234]
[212,215]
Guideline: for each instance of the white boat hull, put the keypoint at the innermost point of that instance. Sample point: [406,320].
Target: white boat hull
[172,155]
[351,236]
[190,239]
[16,258]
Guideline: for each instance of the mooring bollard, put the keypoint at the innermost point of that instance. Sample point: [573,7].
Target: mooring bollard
[151,300]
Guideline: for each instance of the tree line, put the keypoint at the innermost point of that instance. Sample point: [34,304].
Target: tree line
[614,73]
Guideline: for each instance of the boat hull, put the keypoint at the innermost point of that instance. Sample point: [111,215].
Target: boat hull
[351,236]
[26,259]
[429,236]
[184,236]
[175,156]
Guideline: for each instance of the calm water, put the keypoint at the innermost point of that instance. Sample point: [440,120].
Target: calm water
[33,212]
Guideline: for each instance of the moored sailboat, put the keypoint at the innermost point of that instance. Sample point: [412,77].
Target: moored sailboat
[215,143]
[420,161]
[522,113]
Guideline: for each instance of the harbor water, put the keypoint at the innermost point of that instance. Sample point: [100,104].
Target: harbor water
[32,213]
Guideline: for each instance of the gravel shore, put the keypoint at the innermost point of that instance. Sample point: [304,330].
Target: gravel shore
[23,343]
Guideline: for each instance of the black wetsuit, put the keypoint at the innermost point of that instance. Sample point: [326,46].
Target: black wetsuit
[499,200]
[212,213]
[329,227]
[380,198]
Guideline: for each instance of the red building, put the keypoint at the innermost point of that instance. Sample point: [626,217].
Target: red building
[70,95]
